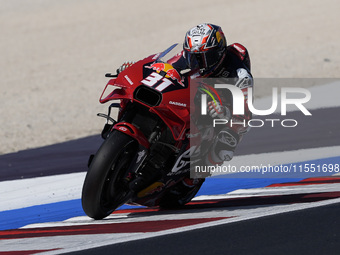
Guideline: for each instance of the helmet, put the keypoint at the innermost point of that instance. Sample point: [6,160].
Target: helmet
[204,47]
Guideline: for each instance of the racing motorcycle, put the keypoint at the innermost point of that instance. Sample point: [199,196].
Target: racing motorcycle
[147,152]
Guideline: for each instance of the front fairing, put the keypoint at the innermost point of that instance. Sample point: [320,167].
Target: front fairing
[156,76]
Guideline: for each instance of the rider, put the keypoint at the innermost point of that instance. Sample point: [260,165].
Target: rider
[205,50]
[206,53]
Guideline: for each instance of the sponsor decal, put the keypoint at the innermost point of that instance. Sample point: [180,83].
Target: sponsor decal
[171,73]
[140,156]
[128,79]
[124,129]
[178,103]
[239,48]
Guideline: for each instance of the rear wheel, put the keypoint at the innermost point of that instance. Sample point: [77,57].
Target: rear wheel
[104,188]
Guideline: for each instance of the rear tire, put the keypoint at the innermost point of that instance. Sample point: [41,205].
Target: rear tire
[104,189]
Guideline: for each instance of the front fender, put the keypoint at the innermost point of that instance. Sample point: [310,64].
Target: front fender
[131,130]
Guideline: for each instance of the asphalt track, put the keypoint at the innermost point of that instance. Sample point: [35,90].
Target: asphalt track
[310,231]
[319,130]
[304,231]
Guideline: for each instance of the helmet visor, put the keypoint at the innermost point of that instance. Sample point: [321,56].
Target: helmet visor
[202,60]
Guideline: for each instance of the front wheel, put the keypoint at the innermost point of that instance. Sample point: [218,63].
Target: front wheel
[104,188]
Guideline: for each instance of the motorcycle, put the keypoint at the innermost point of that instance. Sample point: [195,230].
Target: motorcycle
[148,151]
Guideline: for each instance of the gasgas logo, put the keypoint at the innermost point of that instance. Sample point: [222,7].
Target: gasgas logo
[178,104]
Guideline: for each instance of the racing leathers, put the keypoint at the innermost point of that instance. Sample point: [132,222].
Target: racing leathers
[233,69]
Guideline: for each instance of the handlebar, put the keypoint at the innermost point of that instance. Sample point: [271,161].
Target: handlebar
[111,75]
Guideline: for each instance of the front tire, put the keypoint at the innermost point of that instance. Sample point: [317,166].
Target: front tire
[104,189]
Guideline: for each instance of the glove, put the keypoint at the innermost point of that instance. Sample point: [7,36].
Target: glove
[216,110]
[124,66]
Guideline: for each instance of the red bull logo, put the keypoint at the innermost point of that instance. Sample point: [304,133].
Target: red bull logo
[171,73]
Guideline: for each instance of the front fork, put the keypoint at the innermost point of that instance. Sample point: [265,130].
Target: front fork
[110,122]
